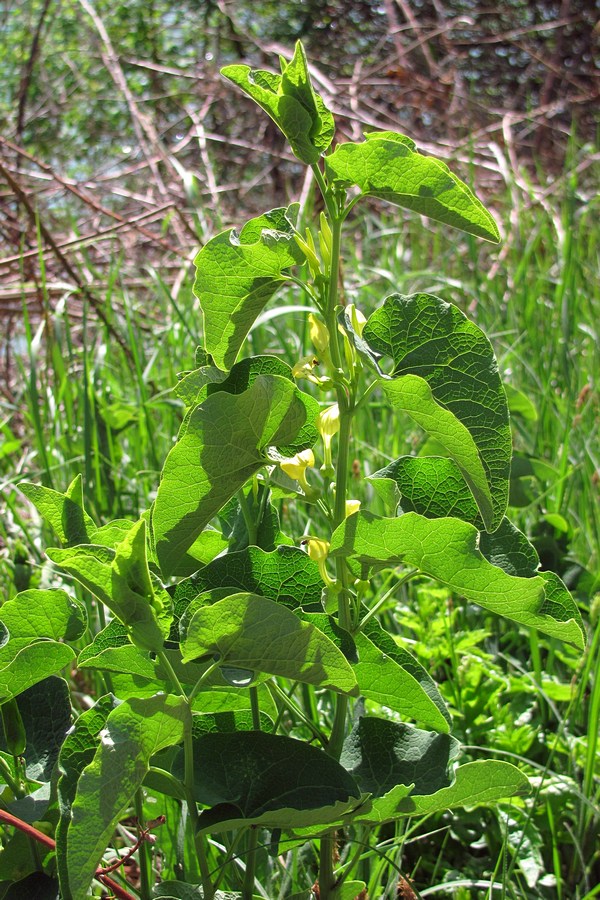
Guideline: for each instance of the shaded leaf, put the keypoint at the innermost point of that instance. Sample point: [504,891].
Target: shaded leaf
[276,781]
[45,710]
[286,575]
[64,512]
[380,754]
[446,378]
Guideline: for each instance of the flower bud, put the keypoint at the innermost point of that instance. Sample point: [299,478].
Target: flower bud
[318,333]
[356,318]
[328,424]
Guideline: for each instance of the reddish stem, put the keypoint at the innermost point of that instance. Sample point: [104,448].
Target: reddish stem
[42,838]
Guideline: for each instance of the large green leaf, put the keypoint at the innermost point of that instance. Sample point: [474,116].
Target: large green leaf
[121,580]
[237,273]
[290,100]
[446,378]
[36,623]
[112,651]
[257,778]
[286,575]
[484,781]
[76,753]
[434,487]
[387,166]
[50,614]
[209,380]
[381,754]
[389,675]
[224,444]
[250,632]
[132,734]
[446,549]
[64,512]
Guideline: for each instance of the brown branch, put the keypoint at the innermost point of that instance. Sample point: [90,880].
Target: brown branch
[49,240]
[48,842]
[87,199]
[27,72]
[75,243]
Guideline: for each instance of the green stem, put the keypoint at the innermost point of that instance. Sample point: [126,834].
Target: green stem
[332,298]
[248,888]
[144,858]
[251,524]
[15,787]
[188,778]
[326,871]
[255,708]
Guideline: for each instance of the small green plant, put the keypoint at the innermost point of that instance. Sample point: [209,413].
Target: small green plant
[253,706]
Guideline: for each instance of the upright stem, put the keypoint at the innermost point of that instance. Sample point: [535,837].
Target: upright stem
[188,780]
[327,879]
[144,857]
[248,888]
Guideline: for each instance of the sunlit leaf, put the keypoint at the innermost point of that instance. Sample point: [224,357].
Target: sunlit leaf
[446,549]
[388,167]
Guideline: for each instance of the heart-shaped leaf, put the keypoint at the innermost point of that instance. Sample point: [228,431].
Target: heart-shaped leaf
[380,754]
[446,378]
[290,100]
[36,622]
[223,445]
[257,778]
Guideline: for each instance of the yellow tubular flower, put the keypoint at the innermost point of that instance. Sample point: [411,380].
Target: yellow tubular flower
[304,368]
[318,550]
[328,424]
[295,467]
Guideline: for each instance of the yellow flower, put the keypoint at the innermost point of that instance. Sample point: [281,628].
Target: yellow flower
[318,550]
[304,367]
[318,333]
[352,506]
[328,424]
[295,467]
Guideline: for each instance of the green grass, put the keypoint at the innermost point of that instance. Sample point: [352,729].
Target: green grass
[83,407]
